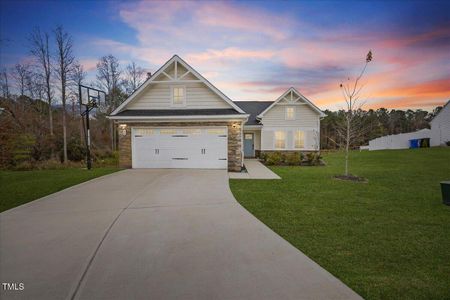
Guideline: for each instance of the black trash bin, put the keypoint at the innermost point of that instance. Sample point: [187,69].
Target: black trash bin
[445,188]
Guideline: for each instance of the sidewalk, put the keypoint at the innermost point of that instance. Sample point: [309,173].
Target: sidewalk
[255,170]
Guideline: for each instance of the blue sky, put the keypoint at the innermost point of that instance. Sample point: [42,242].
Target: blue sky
[255,50]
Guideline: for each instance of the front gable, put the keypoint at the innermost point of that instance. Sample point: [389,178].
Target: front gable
[291,109]
[293,98]
[157,93]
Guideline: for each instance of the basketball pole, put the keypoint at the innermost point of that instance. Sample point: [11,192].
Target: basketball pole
[88,144]
[90,103]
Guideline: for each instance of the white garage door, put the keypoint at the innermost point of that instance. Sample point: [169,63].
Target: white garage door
[204,147]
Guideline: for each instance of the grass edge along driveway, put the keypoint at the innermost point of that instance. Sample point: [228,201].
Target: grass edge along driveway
[20,187]
[386,239]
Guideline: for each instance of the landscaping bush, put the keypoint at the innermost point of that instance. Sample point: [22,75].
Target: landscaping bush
[292,159]
[312,159]
[447,143]
[273,158]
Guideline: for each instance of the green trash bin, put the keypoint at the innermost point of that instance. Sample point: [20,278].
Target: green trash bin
[445,188]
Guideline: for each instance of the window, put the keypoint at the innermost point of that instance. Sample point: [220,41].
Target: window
[192,131]
[290,113]
[178,96]
[217,131]
[144,131]
[280,139]
[299,139]
[168,131]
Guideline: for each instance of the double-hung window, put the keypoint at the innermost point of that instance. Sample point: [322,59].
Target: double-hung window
[280,140]
[299,139]
[290,113]
[178,96]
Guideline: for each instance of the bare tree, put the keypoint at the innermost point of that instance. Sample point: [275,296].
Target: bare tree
[134,77]
[39,48]
[20,73]
[64,64]
[351,91]
[77,77]
[4,84]
[108,77]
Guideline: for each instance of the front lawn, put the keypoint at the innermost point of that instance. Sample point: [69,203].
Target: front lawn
[386,239]
[19,187]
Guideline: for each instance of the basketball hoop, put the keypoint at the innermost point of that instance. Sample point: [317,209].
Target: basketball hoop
[89,98]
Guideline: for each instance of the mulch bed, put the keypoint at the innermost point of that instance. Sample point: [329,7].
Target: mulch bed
[351,178]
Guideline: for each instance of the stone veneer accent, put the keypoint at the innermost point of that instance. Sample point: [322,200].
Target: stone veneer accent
[234,140]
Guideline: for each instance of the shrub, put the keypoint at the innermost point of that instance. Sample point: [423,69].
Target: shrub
[273,158]
[23,148]
[447,143]
[292,159]
[75,150]
[262,156]
[312,159]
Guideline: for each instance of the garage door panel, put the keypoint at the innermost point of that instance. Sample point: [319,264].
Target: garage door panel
[180,148]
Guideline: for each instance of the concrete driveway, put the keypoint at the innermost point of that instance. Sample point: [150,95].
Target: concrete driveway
[153,234]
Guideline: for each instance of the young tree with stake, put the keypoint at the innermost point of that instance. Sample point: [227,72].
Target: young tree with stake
[351,91]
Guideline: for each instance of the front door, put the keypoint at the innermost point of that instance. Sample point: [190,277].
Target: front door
[249,145]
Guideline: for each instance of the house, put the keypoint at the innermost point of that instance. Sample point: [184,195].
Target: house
[440,127]
[178,119]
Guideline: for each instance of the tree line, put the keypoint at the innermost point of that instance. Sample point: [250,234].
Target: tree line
[373,124]
[39,111]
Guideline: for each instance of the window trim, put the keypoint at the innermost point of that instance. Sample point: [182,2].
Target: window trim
[286,113]
[294,133]
[183,104]
[275,139]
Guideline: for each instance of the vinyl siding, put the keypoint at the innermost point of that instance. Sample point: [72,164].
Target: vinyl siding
[306,120]
[268,135]
[158,96]
[440,127]
[305,116]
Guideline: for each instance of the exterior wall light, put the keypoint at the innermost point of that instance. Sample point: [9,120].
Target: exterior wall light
[123,129]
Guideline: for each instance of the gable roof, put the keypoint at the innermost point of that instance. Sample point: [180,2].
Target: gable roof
[176,59]
[300,96]
[446,106]
[254,108]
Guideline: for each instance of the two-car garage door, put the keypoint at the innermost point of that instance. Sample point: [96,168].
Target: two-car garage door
[203,147]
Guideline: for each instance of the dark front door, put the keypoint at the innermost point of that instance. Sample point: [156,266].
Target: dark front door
[249,145]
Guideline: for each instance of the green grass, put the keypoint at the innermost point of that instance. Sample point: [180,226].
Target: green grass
[19,187]
[386,239]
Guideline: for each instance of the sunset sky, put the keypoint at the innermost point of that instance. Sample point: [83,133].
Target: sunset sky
[256,50]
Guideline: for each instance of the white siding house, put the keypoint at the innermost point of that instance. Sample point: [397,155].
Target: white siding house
[440,127]
[178,119]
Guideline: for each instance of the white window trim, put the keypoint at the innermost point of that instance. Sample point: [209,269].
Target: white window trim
[171,96]
[286,113]
[293,138]
[275,140]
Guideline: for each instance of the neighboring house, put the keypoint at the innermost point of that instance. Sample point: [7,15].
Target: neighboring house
[440,126]
[398,141]
[178,119]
